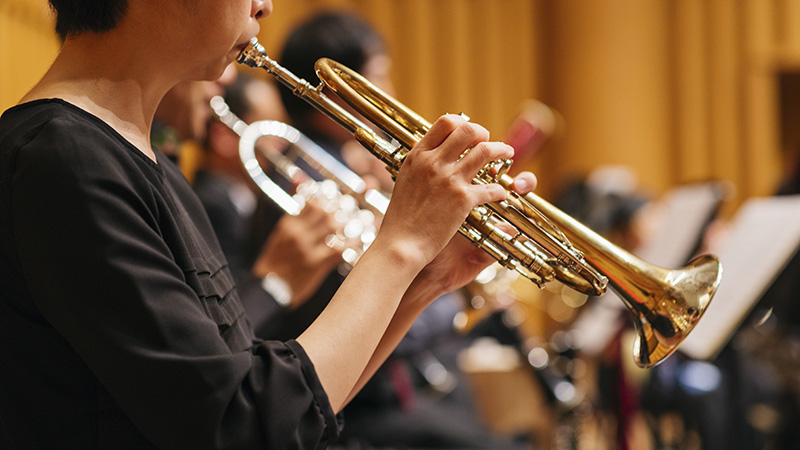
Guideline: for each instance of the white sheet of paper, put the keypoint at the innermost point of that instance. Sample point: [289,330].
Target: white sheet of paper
[684,213]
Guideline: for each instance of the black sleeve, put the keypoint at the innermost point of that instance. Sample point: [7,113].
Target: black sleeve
[95,260]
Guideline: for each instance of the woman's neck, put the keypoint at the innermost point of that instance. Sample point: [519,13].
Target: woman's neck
[95,74]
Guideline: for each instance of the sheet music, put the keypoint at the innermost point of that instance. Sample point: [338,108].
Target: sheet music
[684,213]
[763,236]
[599,322]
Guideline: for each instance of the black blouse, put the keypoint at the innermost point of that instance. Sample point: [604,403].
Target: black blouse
[120,323]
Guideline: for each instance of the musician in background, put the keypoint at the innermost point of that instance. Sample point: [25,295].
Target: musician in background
[399,408]
[254,233]
[351,41]
[781,336]
[185,122]
[221,182]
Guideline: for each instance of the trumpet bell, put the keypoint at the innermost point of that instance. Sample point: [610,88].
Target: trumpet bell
[667,305]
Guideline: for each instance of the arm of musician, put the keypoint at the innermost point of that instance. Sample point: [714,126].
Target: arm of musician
[296,252]
[349,338]
[458,264]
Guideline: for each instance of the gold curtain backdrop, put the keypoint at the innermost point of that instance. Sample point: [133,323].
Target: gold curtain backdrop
[679,90]
[28,45]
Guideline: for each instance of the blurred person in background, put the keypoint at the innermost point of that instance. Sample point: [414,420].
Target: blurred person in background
[403,406]
[348,39]
[185,123]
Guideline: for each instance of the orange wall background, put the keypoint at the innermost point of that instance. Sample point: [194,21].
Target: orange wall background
[28,45]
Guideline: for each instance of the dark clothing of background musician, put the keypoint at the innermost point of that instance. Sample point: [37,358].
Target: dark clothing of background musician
[376,416]
[148,291]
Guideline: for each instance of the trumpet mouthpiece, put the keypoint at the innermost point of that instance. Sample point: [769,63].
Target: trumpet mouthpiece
[252,55]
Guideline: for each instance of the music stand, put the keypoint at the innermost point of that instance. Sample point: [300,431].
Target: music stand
[685,212]
[761,239]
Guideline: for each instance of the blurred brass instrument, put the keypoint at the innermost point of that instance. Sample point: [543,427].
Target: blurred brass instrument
[547,244]
[340,190]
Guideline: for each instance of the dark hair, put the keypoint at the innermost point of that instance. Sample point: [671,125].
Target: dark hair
[79,16]
[341,36]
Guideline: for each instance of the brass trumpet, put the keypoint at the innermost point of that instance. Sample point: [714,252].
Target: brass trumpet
[339,189]
[547,244]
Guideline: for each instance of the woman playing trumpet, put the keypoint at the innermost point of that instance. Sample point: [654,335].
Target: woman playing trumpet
[122,327]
